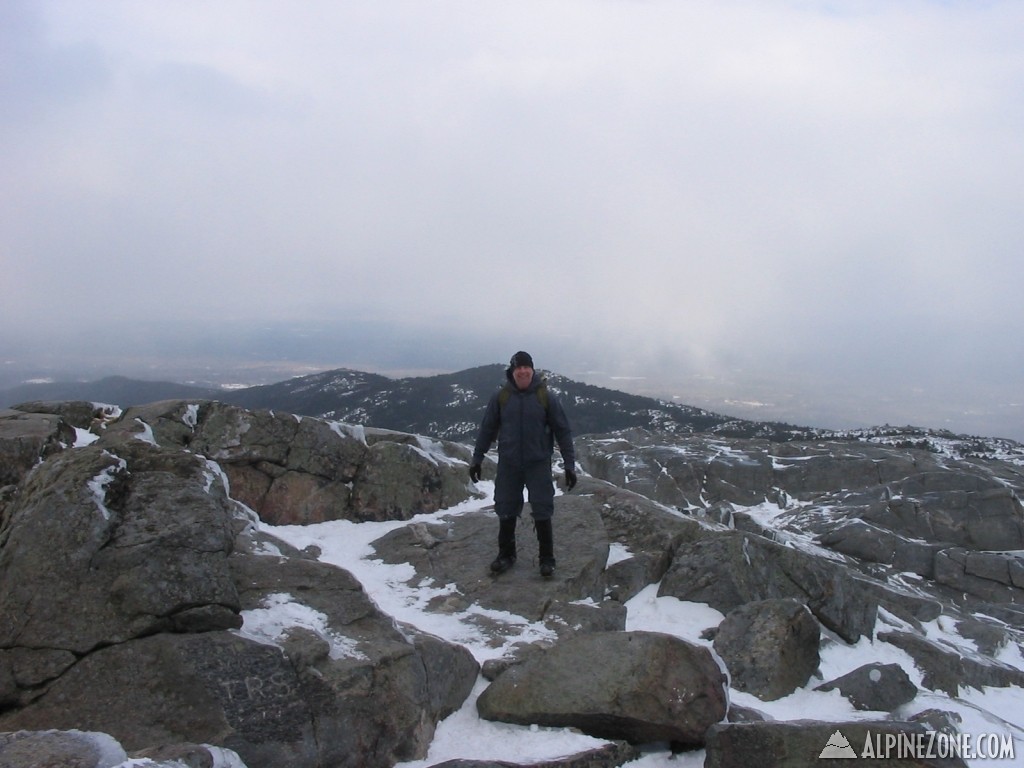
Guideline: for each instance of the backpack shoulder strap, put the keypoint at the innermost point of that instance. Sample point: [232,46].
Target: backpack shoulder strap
[542,395]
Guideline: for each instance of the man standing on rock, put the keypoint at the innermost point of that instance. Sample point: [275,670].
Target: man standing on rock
[526,419]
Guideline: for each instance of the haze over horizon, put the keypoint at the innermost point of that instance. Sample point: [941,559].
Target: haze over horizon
[806,212]
[281,354]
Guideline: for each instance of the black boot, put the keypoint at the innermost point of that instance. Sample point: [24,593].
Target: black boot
[506,545]
[545,547]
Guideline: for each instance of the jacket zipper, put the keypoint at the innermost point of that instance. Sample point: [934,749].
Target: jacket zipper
[522,435]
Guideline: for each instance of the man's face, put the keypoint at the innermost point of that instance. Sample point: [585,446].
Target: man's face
[523,375]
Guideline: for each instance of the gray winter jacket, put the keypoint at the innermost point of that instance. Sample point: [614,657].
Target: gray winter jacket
[525,429]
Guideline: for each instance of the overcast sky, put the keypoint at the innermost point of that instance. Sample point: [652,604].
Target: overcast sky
[812,205]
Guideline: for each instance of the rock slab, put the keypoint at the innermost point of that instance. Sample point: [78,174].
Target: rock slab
[635,686]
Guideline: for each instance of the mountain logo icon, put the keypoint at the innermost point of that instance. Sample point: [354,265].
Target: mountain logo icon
[837,746]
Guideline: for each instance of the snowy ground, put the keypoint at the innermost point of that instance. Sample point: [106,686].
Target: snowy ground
[464,735]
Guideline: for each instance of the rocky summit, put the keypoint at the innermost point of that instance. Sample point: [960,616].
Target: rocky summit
[163,602]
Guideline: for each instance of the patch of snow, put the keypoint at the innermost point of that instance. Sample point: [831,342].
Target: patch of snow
[98,484]
[213,473]
[267,548]
[617,553]
[280,612]
[777,461]
[84,437]
[222,758]
[465,734]
[356,431]
[191,416]
[435,452]
[670,615]
[146,435]
[110,752]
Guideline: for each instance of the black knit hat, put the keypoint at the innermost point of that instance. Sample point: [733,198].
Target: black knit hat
[520,359]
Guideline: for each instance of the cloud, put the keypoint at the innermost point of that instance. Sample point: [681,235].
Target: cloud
[695,187]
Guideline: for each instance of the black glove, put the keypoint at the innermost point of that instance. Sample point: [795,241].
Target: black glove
[570,479]
[474,473]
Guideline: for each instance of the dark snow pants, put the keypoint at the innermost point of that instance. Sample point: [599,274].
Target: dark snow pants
[509,484]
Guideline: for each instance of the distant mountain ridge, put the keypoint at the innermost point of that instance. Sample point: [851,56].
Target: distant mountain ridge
[450,406]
